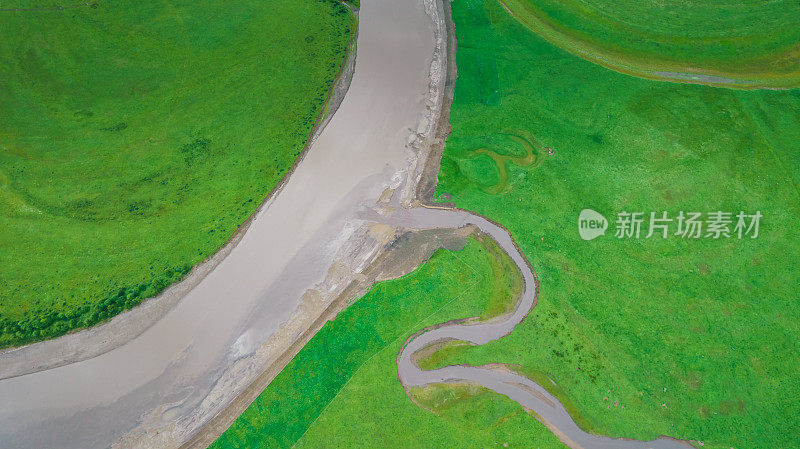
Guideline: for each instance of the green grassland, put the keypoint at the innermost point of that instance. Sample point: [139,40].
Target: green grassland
[750,40]
[342,390]
[693,338]
[135,137]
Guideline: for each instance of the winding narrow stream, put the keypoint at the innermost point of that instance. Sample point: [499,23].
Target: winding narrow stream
[518,388]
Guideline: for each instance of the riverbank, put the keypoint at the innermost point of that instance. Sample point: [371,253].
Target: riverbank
[122,166]
[87,343]
[393,262]
[407,250]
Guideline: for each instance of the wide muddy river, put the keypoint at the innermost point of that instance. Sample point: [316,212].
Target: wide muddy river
[168,374]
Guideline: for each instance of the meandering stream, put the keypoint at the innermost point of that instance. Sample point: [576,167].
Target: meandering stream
[519,388]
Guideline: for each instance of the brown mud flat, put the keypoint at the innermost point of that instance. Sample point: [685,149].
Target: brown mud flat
[404,255]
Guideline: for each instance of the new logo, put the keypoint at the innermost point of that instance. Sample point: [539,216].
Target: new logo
[591,224]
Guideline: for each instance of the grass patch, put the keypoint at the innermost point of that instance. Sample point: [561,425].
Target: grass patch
[750,40]
[137,136]
[689,338]
[342,388]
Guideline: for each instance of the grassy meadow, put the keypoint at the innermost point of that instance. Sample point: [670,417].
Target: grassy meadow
[692,338]
[135,137]
[342,391]
[751,40]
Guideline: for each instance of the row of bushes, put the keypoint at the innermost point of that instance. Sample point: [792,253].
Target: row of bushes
[340,6]
[42,324]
